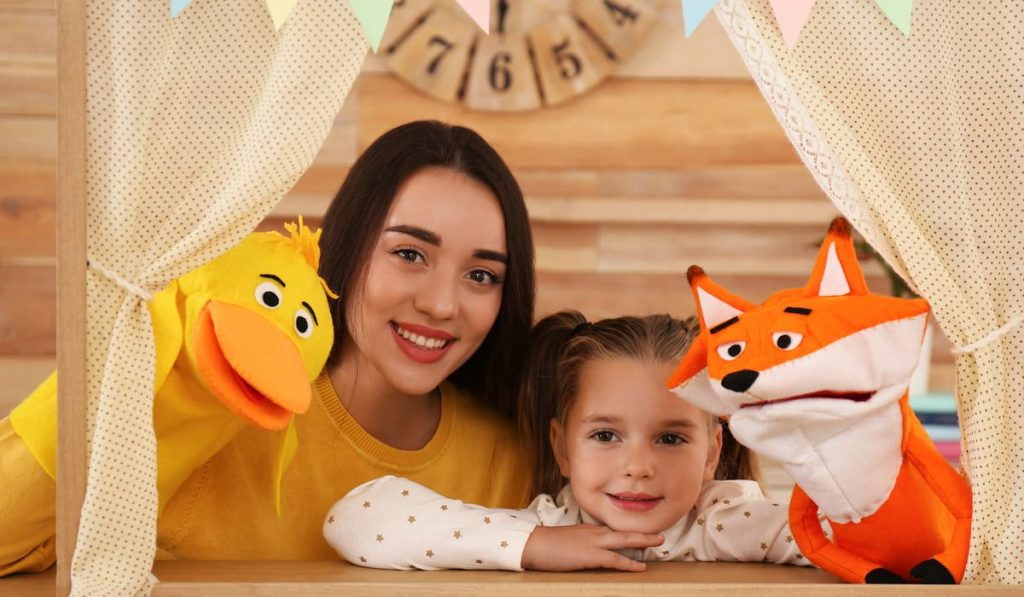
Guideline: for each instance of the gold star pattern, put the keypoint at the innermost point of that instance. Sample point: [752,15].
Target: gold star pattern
[362,559]
[380,538]
[487,520]
[726,502]
[799,556]
[366,504]
[444,506]
[789,538]
[764,546]
[664,553]
[747,514]
[405,492]
[714,501]
[688,554]
[411,519]
[774,504]
[430,553]
[504,543]
[479,561]
[457,534]
[330,520]
[719,527]
[700,520]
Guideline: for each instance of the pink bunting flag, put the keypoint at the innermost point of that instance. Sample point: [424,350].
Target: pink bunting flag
[792,15]
[479,11]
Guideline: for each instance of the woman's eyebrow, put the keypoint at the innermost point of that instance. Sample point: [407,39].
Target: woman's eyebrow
[491,255]
[434,239]
[417,232]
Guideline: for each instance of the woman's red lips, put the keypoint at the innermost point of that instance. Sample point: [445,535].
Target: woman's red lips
[425,348]
[423,330]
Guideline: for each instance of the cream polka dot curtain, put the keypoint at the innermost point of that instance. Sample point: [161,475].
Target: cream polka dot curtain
[196,127]
[919,141]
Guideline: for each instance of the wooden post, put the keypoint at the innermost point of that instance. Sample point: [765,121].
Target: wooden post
[71,302]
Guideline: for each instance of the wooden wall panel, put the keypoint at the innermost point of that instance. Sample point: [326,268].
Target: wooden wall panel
[20,376]
[28,216]
[37,5]
[28,65]
[28,140]
[28,298]
[623,124]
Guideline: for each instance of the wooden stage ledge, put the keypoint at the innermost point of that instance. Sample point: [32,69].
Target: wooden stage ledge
[280,579]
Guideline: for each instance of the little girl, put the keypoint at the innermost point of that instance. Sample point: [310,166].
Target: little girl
[640,462]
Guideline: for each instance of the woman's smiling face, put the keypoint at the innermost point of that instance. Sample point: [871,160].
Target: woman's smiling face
[433,282]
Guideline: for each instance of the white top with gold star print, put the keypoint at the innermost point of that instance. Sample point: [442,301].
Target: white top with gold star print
[395,523]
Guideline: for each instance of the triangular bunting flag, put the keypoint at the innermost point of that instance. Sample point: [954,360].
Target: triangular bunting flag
[279,10]
[177,6]
[694,12]
[792,15]
[373,16]
[898,12]
[479,11]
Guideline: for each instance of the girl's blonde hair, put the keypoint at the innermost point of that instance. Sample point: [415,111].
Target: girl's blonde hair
[561,343]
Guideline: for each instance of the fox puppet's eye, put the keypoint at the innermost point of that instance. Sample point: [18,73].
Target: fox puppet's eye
[787,340]
[731,350]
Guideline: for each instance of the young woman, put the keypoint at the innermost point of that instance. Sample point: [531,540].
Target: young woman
[645,472]
[428,245]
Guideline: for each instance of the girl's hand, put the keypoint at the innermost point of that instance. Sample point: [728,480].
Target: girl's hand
[583,546]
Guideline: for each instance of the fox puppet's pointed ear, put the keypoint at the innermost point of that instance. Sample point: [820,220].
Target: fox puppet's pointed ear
[715,305]
[836,271]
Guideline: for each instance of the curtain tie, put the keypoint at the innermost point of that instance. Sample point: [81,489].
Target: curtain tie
[119,280]
[990,338]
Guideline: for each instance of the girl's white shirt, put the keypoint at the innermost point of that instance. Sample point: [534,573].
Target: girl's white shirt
[395,523]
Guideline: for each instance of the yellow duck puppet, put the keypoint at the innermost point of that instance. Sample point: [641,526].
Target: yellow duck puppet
[238,340]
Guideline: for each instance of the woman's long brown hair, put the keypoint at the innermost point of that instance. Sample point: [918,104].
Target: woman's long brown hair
[356,217]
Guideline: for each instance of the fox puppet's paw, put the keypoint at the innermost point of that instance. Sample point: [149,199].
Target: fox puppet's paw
[932,572]
[881,576]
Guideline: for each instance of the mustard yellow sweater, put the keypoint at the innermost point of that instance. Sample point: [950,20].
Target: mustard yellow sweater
[225,510]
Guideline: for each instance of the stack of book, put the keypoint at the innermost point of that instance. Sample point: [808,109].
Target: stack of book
[937,412]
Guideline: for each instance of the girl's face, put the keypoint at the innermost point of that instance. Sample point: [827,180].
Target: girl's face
[636,456]
[433,283]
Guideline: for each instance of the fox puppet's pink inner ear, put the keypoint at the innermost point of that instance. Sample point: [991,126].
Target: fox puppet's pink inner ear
[836,271]
[715,305]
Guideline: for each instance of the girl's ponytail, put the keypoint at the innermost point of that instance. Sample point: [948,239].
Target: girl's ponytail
[545,391]
[736,460]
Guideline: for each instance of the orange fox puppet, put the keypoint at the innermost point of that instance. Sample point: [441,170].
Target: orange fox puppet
[817,379]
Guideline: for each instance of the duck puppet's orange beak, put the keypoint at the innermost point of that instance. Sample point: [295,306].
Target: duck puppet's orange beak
[251,365]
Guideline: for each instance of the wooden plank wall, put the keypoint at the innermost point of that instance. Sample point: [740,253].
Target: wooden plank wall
[674,160]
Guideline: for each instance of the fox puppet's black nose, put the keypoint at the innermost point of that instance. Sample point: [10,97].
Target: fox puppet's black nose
[739,381]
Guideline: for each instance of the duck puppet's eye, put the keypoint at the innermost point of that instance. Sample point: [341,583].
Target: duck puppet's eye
[268,295]
[304,323]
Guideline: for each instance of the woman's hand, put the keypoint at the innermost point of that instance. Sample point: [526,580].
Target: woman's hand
[583,546]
